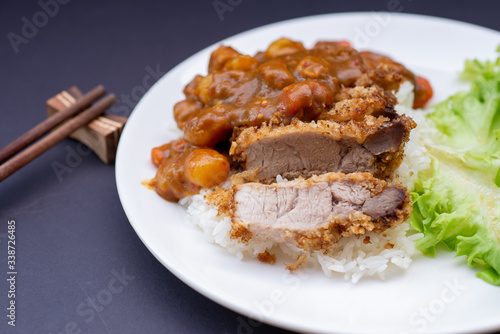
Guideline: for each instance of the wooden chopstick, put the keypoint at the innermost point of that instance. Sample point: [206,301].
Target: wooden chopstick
[51,122]
[54,137]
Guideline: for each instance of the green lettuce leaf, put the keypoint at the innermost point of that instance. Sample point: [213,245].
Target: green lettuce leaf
[457,202]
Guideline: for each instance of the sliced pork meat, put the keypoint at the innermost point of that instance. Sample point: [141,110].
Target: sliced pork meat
[315,213]
[373,145]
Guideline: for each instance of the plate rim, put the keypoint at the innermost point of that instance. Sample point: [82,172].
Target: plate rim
[194,284]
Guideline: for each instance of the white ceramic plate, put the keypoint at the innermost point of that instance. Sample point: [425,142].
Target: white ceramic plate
[439,295]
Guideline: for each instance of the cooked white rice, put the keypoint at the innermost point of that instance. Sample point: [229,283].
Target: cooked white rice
[351,258]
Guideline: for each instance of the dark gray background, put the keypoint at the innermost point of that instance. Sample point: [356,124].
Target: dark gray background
[72,235]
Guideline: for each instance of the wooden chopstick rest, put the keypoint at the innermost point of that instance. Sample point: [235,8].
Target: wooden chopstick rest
[101,135]
[42,128]
[64,130]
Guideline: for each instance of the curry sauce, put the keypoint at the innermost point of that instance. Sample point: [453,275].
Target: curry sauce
[284,83]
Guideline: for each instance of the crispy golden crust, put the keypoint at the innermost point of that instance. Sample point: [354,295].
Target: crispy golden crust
[266,257]
[357,102]
[220,198]
[324,237]
[385,72]
[300,260]
[358,131]
[245,176]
